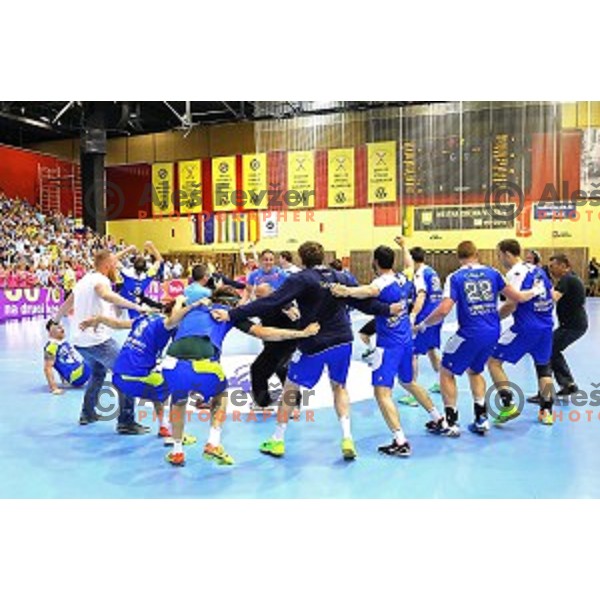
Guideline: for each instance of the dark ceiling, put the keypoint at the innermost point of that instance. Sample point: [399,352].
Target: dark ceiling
[23,123]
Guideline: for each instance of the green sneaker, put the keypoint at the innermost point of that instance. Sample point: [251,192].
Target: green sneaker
[506,414]
[217,454]
[273,448]
[348,449]
[408,401]
[435,389]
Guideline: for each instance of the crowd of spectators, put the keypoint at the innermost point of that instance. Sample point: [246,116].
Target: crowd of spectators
[39,249]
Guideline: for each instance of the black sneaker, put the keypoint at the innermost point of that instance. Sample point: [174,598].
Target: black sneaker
[396,449]
[535,399]
[568,390]
[85,420]
[132,429]
[436,427]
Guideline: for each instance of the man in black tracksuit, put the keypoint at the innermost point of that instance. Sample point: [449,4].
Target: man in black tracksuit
[569,295]
[275,356]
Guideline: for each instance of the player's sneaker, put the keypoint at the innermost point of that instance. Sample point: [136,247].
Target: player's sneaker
[480,426]
[441,427]
[177,459]
[435,389]
[535,399]
[132,429]
[164,432]
[257,408]
[348,449]
[408,401]
[187,440]
[217,454]
[396,449]
[273,448]
[545,417]
[506,414]
[437,427]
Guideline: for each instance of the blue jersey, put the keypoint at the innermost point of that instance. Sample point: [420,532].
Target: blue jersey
[275,277]
[199,322]
[475,290]
[143,346]
[66,358]
[536,314]
[135,284]
[428,281]
[394,331]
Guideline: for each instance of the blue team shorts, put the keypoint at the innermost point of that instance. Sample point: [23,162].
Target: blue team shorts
[468,352]
[513,346]
[306,369]
[428,339]
[391,362]
[149,387]
[205,377]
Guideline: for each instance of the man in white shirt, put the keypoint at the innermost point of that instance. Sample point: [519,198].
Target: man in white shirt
[177,270]
[92,296]
[286,264]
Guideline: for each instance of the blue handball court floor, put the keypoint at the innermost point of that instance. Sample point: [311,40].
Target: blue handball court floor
[44,453]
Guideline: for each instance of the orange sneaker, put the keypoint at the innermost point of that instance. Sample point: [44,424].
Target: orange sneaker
[177,459]
[164,432]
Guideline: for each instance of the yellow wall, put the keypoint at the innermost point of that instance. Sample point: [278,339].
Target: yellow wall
[352,229]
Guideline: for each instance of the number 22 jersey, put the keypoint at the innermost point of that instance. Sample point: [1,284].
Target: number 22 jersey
[475,290]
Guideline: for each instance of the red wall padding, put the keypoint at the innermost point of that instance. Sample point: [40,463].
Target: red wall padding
[129,192]
[19,175]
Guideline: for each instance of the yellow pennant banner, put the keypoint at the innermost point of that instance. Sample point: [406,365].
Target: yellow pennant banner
[190,186]
[381,165]
[301,180]
[254,181]
[223,183]
[340,178]
[162,189]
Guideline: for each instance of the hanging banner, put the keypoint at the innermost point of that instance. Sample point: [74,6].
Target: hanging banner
[254,181]
[162,189]
[223,182]
[340,178]
[381,165]
[301,180]
[190,186]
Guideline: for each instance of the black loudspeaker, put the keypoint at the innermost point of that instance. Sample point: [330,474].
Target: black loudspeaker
[93,141]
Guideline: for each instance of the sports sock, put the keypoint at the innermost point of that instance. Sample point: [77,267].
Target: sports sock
[435,415]
[479,407]
[399,436]
[178,447]
[164,420]
[506,397]
[279,434]
[345,423]
[451,415]
[214,436]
